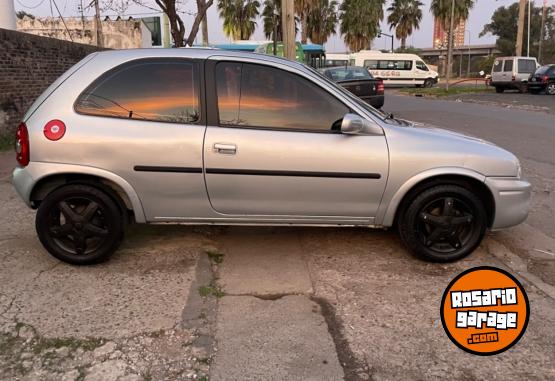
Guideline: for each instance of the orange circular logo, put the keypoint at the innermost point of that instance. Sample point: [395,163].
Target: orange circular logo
[485,310]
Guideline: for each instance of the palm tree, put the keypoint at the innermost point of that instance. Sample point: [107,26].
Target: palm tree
[302,9]
[321,20]
[360,21]
[441,9]
[238,16]
[271,18]
[404,16]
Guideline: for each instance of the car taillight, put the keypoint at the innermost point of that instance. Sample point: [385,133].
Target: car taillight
[380,87]
[22,145]
[513,78]
[545,78]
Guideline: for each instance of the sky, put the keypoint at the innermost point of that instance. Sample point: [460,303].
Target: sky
[422,38]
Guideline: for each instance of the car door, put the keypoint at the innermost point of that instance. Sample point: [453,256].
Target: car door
[270,149]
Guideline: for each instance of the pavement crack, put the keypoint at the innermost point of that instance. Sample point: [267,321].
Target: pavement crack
[353,368]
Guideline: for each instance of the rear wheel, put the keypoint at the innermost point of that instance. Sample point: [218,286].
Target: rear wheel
[550,89]
[79,224]
[443,223]
[499,89]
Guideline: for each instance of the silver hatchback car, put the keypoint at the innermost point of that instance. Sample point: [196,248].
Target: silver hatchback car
[216,137]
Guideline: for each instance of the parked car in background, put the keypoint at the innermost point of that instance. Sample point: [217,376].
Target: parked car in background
[396,69]
[200,136]
[512,73]
[543,80]
[359,82]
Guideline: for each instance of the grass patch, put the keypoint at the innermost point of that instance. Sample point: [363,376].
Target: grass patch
[211,290]
[215,256]
[442,92]
[6,143]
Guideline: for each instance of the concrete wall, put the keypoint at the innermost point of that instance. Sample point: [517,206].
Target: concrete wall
[28,65]
[116,34]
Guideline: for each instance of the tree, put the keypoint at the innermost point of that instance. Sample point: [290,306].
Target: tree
[321,20]
[360,21]
[271,18]
[404,16]
[302,9]
[177,27]
[504,25]
[238,17]
[441,9]
[21,14]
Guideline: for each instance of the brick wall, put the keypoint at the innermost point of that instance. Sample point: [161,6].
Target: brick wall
[28,65]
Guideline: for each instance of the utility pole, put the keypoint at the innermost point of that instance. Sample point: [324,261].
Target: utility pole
[450,45]
[288,22]
[528,34]
[544,10]
[7,15]
[97,25]
[520,30]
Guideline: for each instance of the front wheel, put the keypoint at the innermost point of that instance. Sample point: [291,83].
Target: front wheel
[428,83]
[499,89]
[443,223]
[79,224]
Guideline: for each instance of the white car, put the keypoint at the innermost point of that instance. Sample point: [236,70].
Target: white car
[512,73]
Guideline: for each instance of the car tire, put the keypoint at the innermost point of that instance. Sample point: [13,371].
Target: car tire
[428,83]
[499,89]
[550,89]
[79,224]
[522,88]
[443,223]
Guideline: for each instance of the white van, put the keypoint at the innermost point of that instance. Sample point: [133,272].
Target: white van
[396,69]
[337,59]
[512,73]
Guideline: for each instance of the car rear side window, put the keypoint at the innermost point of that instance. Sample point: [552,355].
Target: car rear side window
[508,65]
[261,96]
[163,90]
[526,66]
[497,66]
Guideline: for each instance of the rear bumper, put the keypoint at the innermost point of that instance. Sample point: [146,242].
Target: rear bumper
[376,101]
[512,200]
[23,183]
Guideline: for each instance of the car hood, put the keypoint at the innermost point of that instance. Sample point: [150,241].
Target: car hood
[442,147]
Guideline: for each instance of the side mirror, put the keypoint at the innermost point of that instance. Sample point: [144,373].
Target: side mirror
[352,124]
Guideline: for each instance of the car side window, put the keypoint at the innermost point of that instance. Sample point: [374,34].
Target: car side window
[162,90]
[421,66]
[526,66]
[497,66]
[265,97]
[508,65]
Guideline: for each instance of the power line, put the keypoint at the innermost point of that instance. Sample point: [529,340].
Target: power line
[69,34]
[28,7]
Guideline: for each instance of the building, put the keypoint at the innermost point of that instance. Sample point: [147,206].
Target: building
[116,34]
[440,35]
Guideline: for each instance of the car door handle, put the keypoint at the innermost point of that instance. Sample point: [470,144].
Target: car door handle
[225,148]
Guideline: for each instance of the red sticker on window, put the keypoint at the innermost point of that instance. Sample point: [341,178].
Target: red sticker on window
[54,130]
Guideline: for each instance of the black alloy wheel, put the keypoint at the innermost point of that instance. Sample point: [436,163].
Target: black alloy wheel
[443,223]
[79,224]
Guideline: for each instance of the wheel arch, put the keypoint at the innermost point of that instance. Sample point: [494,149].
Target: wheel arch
[117,188]
[468,179]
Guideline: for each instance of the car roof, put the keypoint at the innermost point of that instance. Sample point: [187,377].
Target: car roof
[194,52]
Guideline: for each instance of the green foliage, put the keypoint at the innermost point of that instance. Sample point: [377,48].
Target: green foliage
[409,49]
[504,25]
[404,16]
[321,20]
[441,92]
[486,64]
[215,256]
[21,14]
[238,17]
[360,21]
[271,18]
[6,142]
[441,9]
[211,290]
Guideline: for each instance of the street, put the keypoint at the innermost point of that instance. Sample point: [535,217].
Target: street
[245,303]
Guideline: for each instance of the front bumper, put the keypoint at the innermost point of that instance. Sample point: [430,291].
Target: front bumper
[512,200]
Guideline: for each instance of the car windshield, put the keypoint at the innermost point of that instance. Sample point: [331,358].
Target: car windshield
[348,73]
[543,69]
[380,114]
